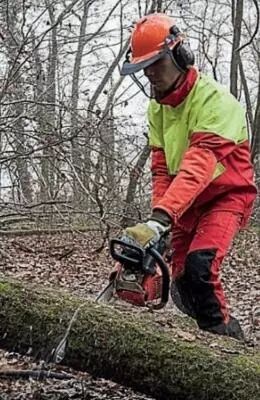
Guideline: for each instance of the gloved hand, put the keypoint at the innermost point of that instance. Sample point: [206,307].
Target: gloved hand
[150,231]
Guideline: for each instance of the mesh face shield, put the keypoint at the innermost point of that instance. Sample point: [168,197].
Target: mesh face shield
[131,69]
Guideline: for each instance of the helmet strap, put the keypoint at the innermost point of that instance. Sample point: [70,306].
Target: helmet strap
[141,86]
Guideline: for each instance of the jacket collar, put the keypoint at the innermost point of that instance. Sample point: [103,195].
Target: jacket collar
[179,94]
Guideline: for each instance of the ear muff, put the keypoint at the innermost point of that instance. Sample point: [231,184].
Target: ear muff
[182,54]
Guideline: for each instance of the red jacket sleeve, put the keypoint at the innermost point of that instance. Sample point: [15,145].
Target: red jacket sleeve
[161,180]
[196,172]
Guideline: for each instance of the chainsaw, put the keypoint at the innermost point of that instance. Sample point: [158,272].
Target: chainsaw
[141,276]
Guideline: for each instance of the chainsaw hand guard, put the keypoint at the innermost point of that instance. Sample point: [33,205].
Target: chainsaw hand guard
[125,252]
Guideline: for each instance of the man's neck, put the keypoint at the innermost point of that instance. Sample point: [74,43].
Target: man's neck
[176,83]
[177,94]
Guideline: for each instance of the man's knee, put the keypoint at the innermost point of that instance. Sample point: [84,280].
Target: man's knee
[198,267]
[209,304]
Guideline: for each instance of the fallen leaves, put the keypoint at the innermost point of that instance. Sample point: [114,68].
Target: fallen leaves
[67,260]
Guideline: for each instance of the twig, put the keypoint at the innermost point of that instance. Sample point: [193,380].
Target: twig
[36,374]
[4,254]
[23,247]
[104,239]
[67,253]
[256,28]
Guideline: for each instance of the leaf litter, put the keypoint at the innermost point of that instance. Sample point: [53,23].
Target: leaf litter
[69,261]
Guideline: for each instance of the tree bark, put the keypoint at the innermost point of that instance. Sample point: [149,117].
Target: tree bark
[122,347]
[128,217]
[48,162]
[256,131]
[13,43]
[237,17]
[76,151]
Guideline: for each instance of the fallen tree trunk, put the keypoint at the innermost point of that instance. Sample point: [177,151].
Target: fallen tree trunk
[110,344]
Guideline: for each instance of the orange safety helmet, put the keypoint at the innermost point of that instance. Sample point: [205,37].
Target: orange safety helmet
[152,37]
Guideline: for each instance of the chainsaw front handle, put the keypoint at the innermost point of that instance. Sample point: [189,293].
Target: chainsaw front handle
[123,258]
[165,278]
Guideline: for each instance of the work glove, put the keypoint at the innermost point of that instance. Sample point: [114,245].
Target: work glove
[151,231]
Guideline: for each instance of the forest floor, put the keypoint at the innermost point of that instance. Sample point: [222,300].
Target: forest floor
[77,263]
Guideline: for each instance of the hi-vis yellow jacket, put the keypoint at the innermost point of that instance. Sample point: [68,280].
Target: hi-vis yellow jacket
[200,151]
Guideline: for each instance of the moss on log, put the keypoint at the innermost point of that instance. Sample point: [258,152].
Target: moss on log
[110,344]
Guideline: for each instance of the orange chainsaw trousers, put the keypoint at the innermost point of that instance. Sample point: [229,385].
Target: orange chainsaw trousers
[196,265]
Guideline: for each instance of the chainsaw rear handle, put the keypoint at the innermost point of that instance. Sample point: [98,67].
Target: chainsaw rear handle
[165,277]
[124,258]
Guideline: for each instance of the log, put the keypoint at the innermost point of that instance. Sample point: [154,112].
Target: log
[122,347]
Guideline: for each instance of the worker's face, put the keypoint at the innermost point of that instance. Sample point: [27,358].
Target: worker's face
[162,74]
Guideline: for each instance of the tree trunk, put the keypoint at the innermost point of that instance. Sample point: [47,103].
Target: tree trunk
[48,162]
[256,131]
[76,151]
[16,134]
[237,17]
[128,217]
[122,347]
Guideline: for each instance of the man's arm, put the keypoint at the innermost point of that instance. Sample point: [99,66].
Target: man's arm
[171,198]
[160,177]
[196,172]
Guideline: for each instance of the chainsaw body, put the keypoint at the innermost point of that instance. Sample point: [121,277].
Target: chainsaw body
[141,276]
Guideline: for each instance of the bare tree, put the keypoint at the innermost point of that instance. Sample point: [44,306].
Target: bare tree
[72,148]
[17,86]
[77,156]
[237,17]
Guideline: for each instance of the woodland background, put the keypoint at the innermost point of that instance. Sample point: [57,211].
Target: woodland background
[74,160]
[73,132]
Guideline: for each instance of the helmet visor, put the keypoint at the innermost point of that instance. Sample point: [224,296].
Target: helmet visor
[129,68]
